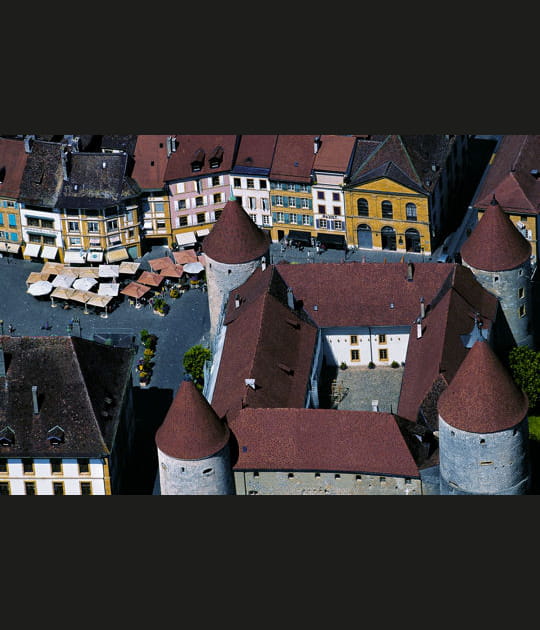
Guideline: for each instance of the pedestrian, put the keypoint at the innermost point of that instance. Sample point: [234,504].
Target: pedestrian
[11,329]
[318,249]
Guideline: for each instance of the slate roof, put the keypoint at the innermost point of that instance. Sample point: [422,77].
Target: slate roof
[150,161]
[255,153]
[321,440]
[509,177]
[191,429]
[235,238]
[495,244]
[42,178]
[12,164]
[116,142]
[81,386]
[293,158]
[192,145]
[482,398]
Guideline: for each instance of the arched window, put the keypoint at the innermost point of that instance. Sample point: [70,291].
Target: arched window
[412,240]
[362,206]
[364,236]
[388,238]
[387,212]
[410,209]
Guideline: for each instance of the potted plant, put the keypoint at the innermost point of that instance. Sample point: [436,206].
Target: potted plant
[148,353]
[160,306]
[395,364]
[371,365]
[174,293]
[144,378]
[343,365]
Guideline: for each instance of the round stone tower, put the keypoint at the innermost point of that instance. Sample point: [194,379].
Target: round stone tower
[234,248]
[193,447]
[483,429]
[499,256]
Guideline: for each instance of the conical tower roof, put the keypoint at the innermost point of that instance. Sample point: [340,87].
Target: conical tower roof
[495,244]
[482,397]
[235,238]
[191,429]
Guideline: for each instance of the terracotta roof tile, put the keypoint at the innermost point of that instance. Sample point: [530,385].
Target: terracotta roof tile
[179,163]
[495,244]
[293,158]
[150,161]
[12,162]
[191,429]
[334,153]
[255,151]
[235,238]
[482,398]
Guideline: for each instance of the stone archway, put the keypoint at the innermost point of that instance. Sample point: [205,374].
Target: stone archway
[364,236]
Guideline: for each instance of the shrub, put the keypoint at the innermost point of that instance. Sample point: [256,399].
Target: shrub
[193,362]
[144,334]
[394,364]
[534,428]
[371,365]
[343,365]
[525,368]
[160,305]
[174,293]
[148,352]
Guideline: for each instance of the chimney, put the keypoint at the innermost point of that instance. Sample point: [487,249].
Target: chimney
[316,144]
[290,298]
[34,399]
[374,405]
[237,300]
[410,272]
[422,308]
[28,142]
[418,328]
[263,263]
[2,363]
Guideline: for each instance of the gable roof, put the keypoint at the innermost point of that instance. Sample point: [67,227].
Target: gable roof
[81,386]
[191,429]
[482,398]
[334,154]
[509,176]
[495,244]
[42,178]
[321,440]
[150,161]
[255,154]
[235,238]
[12,163]
[293,158]
[192,147]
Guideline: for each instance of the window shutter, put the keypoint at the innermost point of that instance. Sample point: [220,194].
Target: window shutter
[331,225]
[287,217]
[274,218]
[297,187]
[285,201]
[273,200]
[311,220]
[298,202]
[309,189]
[310,202]
[317,223]
[272,184]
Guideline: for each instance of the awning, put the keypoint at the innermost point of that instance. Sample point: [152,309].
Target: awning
[13,248]
[74,256]
[49,252]
[332,240]
[32,249]
[94,256]
[202,232]
[115,255]
[297,235]
[186,238]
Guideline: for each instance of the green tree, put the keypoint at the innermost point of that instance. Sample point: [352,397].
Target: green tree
[525,367]
[193,362]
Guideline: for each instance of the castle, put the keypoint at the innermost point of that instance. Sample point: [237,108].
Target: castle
[461,423]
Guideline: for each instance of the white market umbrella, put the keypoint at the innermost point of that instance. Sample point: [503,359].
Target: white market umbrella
[193,267]
[41,287]
[84,284]
[64,281]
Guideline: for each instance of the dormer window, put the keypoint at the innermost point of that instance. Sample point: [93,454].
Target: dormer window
[197,161]
[55,435]
[216,157]
[7,436]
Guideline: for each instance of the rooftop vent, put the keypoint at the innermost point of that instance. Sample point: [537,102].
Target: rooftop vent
[237,301]
[410,272]
[250,382]
[285,368]
[293,322]
[422,308]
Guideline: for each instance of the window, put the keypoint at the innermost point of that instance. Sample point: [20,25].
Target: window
[28,466]
[236,182]
[182,221]
[338,225]
[521,293]
[3,466]
[280,217]
[47,223]
[58,488]
[355,355]
[73,226]
[410,209]
[30,487]
[354,340]
[292,202]
[217,214]
[323,223]
[49,240]
[112,225]
[495,278]
[252,203]
[290,186]
[4,488]
[217,198]
[266,219]
[278,200]
[86,488]
[382,338]
[320,194]
[75,241]
[362,207]
[335,196]
[336,210]
[56,466]
[337,476]
[93,226]
[253,217]
[290,476]
[382,479]
[306,219]
[215,180]
[522,310]
[321,209]
[84,465]
[408,480]
[181,204]
[200,217]
[12,220]
[198,185]
[305,202]
[264,203]
[383,354]
[250,183]
[262,184]
[293,219]
[523,218]
[198,201]
[387,212]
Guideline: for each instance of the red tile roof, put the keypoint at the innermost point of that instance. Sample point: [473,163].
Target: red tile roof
[191,429]
[150,161]
[189,147]
[256,151]
[509,175]
[235,238]
[12,163]
[334,153]
[293,158]
[482,398]
[495,244]
[321,440]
